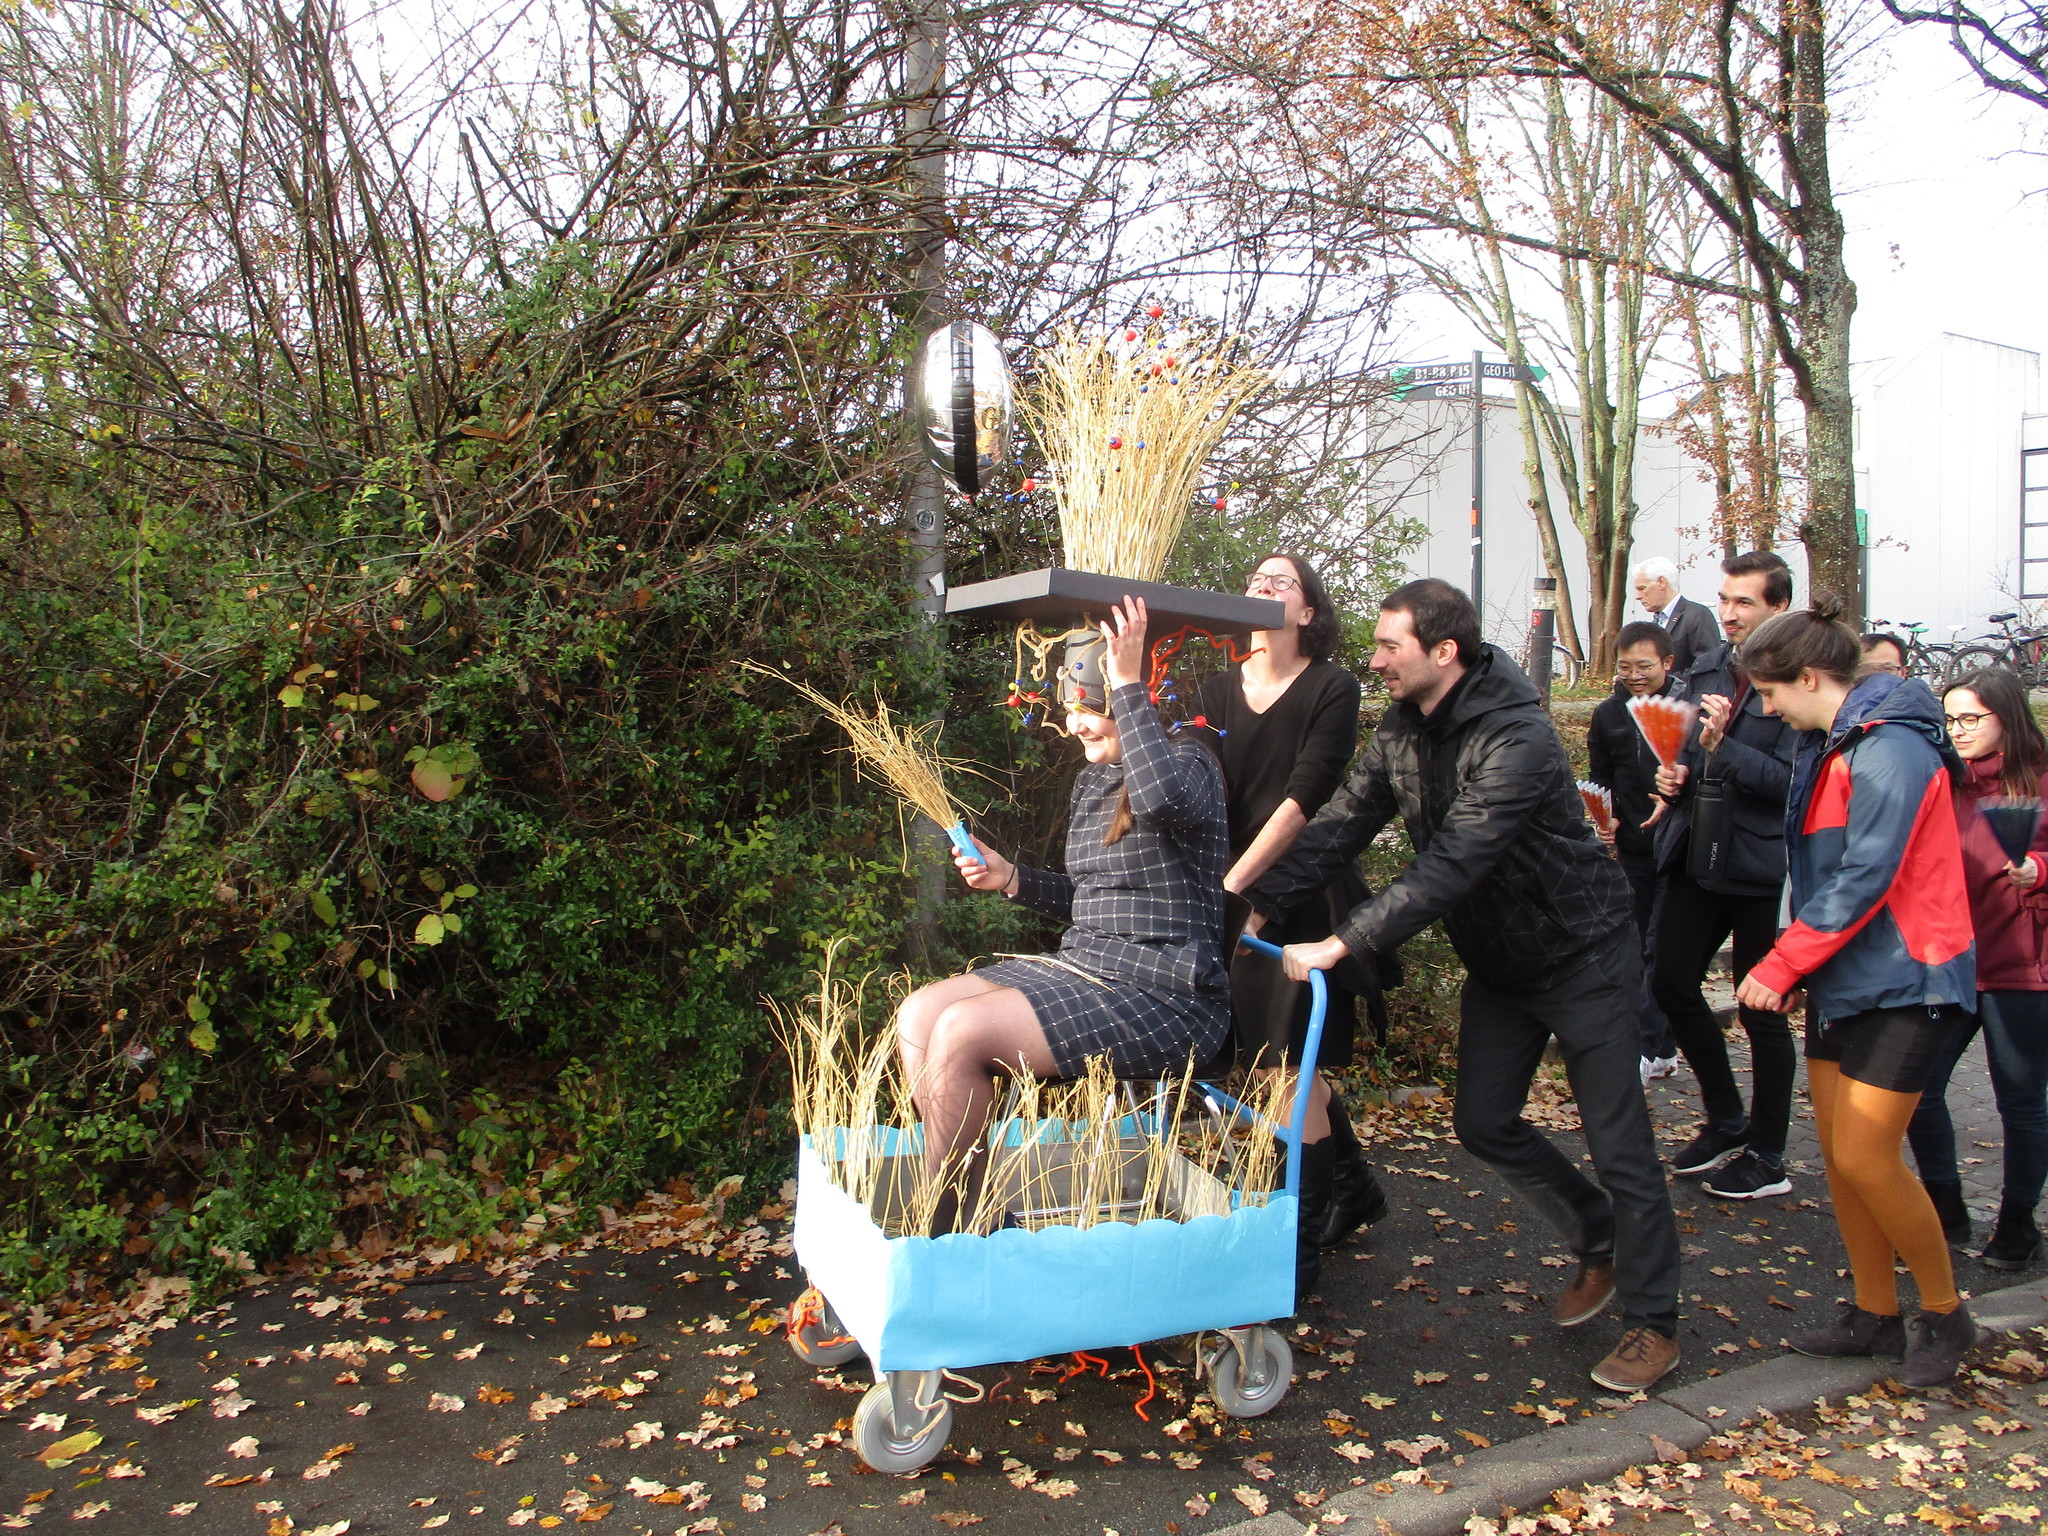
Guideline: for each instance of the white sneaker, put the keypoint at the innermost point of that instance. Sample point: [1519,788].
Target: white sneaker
[1658,1066]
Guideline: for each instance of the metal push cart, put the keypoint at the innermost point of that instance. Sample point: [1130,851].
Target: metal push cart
[921,1307]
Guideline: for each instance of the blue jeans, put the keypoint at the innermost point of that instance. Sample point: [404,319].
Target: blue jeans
[2015,1026]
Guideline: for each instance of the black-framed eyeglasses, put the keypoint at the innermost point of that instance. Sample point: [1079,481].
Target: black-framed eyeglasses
[1966,722]
[1272,581]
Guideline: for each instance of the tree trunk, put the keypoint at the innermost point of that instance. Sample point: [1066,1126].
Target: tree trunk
[1826,303]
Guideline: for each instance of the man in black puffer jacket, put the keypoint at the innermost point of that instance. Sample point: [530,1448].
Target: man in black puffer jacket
[1471,762]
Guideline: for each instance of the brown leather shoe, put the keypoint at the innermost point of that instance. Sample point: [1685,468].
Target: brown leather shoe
[1586,1295]
[1643,1358]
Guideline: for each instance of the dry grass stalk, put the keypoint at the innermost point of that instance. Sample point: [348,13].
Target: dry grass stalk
[1066,1153]
[1128,426]
[905,757]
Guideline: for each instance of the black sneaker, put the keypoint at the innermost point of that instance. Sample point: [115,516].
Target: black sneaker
[1855,1332]
[1939,1341]
[1749,1175]
[1710,1149]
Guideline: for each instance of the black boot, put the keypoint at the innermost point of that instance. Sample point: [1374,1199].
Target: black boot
[1318,1158]
[1948,1205]
[2016,1240]
[1356,1199]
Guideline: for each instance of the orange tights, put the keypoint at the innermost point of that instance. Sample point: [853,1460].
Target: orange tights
[1882,1209]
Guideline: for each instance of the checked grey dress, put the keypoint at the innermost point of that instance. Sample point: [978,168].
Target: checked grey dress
[1145,912]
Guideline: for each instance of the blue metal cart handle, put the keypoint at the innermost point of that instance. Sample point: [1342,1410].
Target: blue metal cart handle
[1311,1047]
[965,844]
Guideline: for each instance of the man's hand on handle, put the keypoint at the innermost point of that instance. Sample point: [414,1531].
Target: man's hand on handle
[1299,959]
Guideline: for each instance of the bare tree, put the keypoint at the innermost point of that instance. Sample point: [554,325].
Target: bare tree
[2006,46]
[1735,102]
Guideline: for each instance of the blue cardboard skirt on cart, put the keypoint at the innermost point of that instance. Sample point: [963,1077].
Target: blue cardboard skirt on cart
[919,1307]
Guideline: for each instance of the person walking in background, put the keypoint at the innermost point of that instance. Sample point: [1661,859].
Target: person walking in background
[1884,652]
[1620,761]
[2004,754]
[1286,723]
[1689,624]
[1471,762]
[1721,855]
[1881,942]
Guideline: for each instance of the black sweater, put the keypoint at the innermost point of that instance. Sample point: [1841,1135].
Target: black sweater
[1297,750]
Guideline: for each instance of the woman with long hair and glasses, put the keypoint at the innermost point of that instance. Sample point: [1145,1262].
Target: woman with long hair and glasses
[1139,976]
[2004,756]
[1881,942]
[1285,724]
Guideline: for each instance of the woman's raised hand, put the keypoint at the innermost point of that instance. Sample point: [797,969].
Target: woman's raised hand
[990,872]
[1124,631]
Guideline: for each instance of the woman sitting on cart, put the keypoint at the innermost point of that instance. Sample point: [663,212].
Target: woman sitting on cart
[1140,975]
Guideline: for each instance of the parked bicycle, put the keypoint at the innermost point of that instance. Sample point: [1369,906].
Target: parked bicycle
[2019,646]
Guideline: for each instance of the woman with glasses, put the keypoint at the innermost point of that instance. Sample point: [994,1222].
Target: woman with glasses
[2004,754]
[1286,728]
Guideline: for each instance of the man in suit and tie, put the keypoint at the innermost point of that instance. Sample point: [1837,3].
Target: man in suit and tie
[1690,625]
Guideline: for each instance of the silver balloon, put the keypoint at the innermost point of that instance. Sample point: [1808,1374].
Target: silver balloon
[966,403]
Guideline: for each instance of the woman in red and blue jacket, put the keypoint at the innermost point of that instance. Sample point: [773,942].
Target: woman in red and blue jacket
[2004,754]
[1881,942]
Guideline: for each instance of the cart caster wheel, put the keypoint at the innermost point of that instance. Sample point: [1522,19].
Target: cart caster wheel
[815,1333]
[882,1443]
[1245,1394]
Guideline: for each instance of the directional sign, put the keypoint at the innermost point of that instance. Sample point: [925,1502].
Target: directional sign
[1461,390]
[1433,373]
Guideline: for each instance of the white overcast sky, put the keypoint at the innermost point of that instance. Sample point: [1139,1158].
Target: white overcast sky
[1942,183]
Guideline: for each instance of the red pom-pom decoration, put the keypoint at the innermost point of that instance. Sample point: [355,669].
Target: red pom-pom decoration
[1116,442]
[1030,485]
[1218,503]
[1130,335]
[1154,310]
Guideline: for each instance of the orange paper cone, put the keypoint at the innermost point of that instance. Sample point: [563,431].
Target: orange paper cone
[1665,723]
[1599,802]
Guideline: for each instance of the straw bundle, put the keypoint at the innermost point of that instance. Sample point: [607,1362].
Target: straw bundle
[1128,420]
[1068,1154]
[902,756]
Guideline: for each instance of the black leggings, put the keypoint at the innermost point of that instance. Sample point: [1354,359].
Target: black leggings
[1692,922]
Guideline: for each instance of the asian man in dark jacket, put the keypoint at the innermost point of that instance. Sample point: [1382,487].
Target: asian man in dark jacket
[1621,762]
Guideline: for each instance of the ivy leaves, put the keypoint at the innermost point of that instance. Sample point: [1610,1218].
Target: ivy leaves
[440,772]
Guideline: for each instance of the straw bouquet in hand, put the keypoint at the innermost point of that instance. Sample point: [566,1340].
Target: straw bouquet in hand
[1665,724]
[902,756]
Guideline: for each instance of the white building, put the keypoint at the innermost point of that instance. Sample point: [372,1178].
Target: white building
[1952,464]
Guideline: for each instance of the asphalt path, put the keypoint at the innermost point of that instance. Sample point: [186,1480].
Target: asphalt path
[640,1380]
